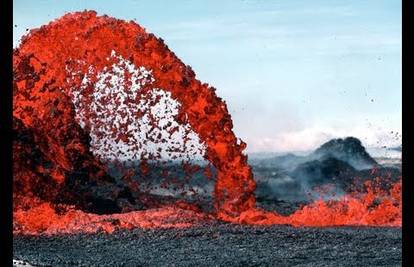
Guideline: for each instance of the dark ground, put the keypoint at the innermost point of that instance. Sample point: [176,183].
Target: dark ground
[218,245]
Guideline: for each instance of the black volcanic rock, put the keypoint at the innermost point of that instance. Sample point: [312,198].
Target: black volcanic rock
[217,244]
[327,170]
[349,150]
[343,163]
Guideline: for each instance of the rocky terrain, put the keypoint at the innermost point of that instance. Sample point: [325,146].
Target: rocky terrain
[218,245]
[338,162]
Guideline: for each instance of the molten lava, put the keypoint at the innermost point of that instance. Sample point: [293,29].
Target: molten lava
[373,207]
[91,89]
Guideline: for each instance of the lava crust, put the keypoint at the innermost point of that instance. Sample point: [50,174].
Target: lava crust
[218,245]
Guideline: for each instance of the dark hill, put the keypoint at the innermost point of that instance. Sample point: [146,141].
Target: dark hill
[318,172]
[349,150]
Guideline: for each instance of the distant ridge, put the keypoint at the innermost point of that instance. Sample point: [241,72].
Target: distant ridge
[349,150]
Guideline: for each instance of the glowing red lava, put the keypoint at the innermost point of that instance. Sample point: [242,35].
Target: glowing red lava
[374,207]
[91,88]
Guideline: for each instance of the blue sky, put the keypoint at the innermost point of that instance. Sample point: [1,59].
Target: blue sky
[293,73]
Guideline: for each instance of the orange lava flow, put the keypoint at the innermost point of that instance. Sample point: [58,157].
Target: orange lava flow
[375,207]
[43,218]
[350,210]
[53,162]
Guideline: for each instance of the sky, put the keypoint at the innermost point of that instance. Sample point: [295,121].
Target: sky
[294,74]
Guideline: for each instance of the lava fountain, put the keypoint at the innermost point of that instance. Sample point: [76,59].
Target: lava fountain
[91,89]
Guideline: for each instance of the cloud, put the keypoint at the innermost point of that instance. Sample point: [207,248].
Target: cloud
[311,138]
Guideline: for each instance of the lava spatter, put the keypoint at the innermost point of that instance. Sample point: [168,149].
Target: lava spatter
[101,88]
[92,90]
